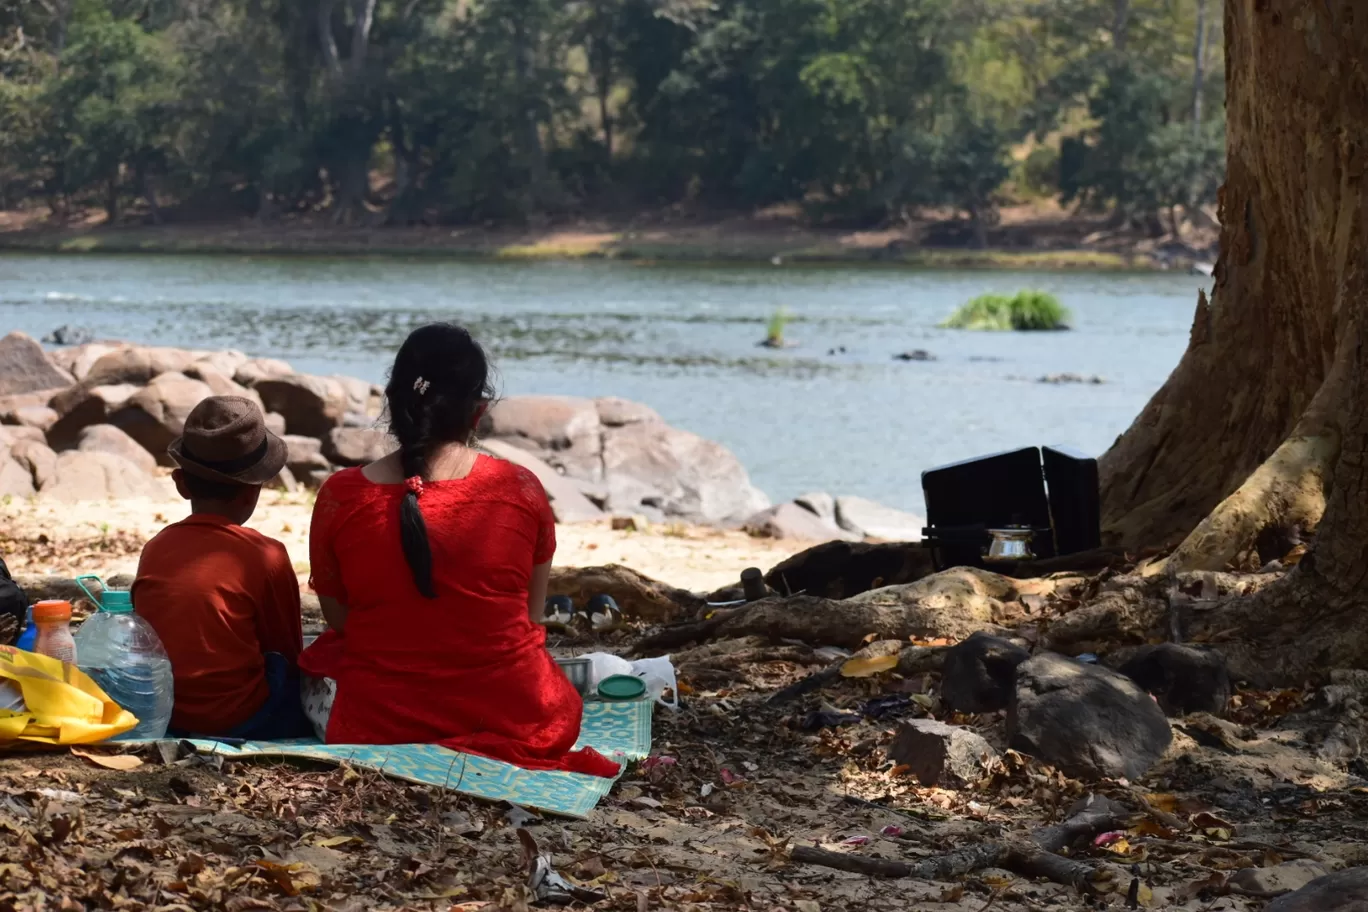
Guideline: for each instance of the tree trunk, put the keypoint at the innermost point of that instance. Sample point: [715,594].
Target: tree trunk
[1246,430]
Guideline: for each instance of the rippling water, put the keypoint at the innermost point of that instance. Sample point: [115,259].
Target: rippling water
[835,413]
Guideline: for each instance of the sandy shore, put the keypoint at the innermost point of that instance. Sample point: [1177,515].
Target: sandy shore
[43,536]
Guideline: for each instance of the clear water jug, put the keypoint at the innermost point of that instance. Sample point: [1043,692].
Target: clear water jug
[123,654]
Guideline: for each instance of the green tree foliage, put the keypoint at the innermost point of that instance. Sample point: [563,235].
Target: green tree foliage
[446,111]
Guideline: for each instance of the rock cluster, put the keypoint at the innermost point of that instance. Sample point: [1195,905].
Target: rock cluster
[820,517]
[92,422]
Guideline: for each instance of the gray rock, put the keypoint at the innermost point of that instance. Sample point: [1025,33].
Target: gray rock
[155,415]
[1185,679]
[25,368]
[304,454]
[681,474]
[357,446]
[99,476]
[106,438]
[284,481]
[790,521]
[940,755]
[979,674]
[820,503]
[567,503]
[917,354]
[1343,891]
[1277,879]
[1089,721]
[874,520]
[69,335]
[564,431]
[275,423]
[137,365]
[84,405]
[312,406]
[79,359]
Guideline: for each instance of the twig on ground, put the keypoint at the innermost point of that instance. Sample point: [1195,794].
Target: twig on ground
[815,681]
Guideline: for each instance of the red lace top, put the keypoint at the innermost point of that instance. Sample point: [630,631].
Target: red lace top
[468,669]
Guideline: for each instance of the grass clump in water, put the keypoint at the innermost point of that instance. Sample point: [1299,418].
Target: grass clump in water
[1026,310]
[774,330]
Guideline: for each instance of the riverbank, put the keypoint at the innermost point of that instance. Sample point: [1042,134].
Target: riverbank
[1027,238]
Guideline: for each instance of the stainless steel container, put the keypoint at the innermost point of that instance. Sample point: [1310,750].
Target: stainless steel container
[1010,544]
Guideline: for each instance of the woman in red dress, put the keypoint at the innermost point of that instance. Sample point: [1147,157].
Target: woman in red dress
[431,565]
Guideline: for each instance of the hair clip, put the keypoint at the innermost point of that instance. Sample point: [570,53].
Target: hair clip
[421,386]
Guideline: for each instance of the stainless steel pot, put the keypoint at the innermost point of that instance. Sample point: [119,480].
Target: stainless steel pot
[1010,544]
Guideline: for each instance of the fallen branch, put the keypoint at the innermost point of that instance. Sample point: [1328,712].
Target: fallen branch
[1038,860]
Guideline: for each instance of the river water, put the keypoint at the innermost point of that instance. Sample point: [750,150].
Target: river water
[836,412]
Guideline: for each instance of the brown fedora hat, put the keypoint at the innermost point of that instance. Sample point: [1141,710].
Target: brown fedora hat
[225,439]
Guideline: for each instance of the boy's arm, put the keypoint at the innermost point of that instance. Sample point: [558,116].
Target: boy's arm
[280,626]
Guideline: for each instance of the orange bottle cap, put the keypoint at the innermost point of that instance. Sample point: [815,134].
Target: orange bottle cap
[52,610]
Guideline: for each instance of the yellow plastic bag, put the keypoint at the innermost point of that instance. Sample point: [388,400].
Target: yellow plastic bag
[62,704]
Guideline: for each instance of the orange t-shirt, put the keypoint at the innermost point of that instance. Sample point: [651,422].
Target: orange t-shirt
[220,596]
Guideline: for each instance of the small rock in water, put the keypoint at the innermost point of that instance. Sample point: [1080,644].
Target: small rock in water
[1089,721]
[1070,378]
[939,754]
[980,673]
[918,354]
[69,335]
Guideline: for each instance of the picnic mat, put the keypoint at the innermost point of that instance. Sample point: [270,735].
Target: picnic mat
[621,731]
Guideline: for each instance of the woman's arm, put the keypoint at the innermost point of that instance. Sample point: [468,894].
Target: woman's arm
[334,612]
[536,592]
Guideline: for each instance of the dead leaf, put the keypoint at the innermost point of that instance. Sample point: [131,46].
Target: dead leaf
[123,762]
[333,842]
[867,667]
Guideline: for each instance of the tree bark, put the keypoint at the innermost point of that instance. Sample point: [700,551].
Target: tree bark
[1245,431]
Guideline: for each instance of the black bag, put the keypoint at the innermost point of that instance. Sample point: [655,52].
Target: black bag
[13,607]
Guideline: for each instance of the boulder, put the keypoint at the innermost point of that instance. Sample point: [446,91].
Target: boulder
[979,673]
[1185,679]
[155,415]
[254,370]
[679,473]
[358,393]
[275,423]
[614,412]
[137,365]
[25,368]
[82,406]
[790,521]
[1091,722]
[942,755]
[284,481]
[346,446]
[564,431]
[38,459]
[14,433]
[15,479]
[305,454]
[226,362]
[819,503]
[221,382]
[1343,891]
[106,438]
[873,520]
[312,406]
[567,503]
[99,476]
[79,360]
[34,416]
[1275,880]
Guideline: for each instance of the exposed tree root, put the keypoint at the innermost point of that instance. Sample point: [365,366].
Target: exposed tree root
[1288,489]
[637,595]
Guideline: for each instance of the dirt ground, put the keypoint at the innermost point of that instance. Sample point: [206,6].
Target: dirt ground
[707,823]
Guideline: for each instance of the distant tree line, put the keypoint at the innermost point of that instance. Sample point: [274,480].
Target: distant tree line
[452,111]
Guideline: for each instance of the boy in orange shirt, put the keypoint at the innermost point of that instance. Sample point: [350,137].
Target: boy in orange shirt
[223,598]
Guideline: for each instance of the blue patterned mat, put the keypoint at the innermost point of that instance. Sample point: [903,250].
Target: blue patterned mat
[621,731]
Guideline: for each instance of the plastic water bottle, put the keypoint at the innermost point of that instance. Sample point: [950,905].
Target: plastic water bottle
[123,654]
[52,619]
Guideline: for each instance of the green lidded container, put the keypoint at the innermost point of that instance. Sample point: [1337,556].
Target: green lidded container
[621,688]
